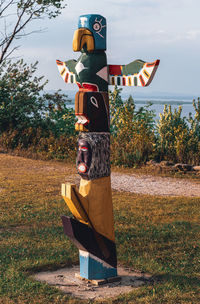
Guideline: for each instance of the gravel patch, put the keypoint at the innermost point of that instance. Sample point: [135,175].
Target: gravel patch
[155,185]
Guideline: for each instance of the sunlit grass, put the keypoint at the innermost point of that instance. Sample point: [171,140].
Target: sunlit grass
[157,235]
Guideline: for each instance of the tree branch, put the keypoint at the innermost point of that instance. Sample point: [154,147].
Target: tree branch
[25,12]
[16,30]
[5,8]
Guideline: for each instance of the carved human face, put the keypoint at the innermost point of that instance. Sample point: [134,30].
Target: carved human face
[84,157]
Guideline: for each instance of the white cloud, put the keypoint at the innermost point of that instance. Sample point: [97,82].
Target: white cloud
[192,34]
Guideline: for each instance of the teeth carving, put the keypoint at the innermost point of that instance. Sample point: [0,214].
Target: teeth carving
[83,120]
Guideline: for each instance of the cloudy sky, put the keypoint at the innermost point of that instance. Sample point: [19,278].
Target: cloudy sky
[136,29]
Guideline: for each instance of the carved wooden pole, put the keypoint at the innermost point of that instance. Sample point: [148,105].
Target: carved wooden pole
[92,228]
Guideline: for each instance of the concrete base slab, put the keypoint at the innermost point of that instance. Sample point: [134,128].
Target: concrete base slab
[99,282]
[65,280]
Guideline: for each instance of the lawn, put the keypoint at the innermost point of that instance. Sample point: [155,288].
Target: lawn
[157,235]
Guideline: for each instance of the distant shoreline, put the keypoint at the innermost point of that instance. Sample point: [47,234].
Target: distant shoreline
[140,98]
[142,101]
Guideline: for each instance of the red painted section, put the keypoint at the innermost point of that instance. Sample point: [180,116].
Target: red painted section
[115,70]
[88,87]
[155,63]
[79,85]
[59,62]
[124,81]
[66,77]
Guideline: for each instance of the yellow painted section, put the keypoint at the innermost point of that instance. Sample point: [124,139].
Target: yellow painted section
[100,208]
[80,127]
[72,198]
[94,202]
[83,36]
[77,127]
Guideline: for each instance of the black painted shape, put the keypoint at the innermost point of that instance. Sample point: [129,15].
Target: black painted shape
[84,239]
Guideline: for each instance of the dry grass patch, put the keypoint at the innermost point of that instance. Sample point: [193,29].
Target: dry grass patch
[153,234]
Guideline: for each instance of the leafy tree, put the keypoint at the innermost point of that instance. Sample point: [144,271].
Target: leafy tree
[22,102]
[16,15]
[21,105]
[61,116]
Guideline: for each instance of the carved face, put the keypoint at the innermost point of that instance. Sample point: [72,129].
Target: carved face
[84,157]
[93,157]
[91,109]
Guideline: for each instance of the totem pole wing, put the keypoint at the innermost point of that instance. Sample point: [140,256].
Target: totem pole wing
[137,73]
[67,70]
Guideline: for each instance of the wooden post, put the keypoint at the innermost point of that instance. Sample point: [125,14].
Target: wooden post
[92,230]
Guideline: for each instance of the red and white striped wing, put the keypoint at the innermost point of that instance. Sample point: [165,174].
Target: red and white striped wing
[141,79]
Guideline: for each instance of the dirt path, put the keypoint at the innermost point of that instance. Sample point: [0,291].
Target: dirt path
[155,185]
[50,174]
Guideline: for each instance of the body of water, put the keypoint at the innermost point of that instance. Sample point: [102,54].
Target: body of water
[158,102]
[158,106]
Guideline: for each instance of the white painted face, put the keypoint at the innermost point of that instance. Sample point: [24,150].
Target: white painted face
[83,21]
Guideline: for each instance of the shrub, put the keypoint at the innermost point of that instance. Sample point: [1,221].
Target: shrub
[178,138]
[132,132]
[172,132]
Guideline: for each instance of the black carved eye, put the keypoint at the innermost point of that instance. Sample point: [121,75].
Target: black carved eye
[97,26]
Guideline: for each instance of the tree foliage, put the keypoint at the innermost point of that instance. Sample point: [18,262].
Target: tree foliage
[21,105]
[132,131]
[24,104]
[62,116]
[178,138]
[32,119]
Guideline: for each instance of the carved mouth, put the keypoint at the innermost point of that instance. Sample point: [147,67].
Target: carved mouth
[82,168]
[82,120]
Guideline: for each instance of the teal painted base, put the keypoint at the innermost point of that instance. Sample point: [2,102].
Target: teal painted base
[93,268]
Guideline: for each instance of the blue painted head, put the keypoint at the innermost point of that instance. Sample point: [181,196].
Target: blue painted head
[97,25]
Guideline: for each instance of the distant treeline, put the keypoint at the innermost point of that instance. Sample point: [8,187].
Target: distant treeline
[42,125]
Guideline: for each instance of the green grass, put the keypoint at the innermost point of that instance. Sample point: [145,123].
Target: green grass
[157,235]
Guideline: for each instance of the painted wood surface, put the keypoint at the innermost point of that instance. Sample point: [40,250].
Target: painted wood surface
[92,230]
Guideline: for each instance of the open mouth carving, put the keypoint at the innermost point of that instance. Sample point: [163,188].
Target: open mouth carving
[82,120]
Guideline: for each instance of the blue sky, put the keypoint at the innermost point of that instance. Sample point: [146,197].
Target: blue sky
[136,29]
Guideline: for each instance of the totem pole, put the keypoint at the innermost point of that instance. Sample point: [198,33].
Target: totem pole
[92,228]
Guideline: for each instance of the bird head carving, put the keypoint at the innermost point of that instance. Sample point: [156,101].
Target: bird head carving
[91,33]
